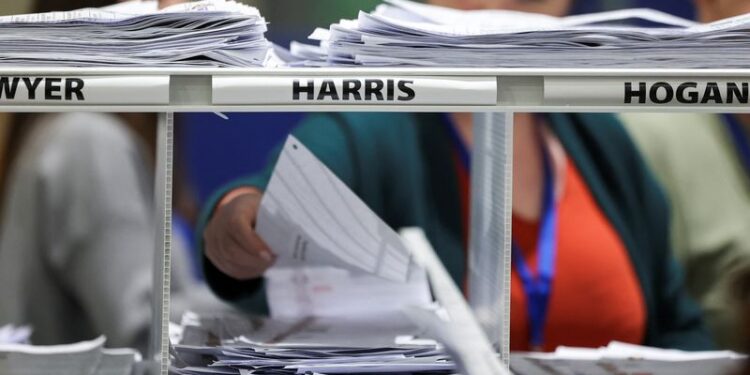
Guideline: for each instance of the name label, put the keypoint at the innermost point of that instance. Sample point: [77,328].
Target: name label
[83,90]
[354,90]
[649,92]
[351,90]
[686,93]
[70,89]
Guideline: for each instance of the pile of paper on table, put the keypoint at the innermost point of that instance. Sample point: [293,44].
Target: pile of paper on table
[621,358]
[342,290]
[242,345]
[214,33]
[89,357]
[404,33]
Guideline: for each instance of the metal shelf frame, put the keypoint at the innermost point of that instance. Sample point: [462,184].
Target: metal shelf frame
[516,90]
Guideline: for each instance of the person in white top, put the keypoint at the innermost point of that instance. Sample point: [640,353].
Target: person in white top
[77,236]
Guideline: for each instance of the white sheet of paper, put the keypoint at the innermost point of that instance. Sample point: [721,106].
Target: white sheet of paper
[618,357]
[310,218]
[332,292]
[199,33]
[407,33]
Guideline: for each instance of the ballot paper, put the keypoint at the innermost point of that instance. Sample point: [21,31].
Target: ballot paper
[309,217]
[405,33]
[622,358]
[334,256]
[255,358]
[10,334]
[385,344]
[215,33]
[403,341]
[337,292]
[88,357]
[209,344]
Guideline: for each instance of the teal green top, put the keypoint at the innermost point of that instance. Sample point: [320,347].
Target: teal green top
[401,165]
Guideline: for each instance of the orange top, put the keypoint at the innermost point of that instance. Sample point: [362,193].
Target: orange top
[596,296]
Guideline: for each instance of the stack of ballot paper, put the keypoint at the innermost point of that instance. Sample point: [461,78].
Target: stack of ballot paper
[11,334]
[254,358]
[234,345]
[215,33]
[89,357]
[404,33]
[621,358]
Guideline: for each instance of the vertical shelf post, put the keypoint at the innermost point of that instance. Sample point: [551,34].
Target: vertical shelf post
[491,217]
[159,350]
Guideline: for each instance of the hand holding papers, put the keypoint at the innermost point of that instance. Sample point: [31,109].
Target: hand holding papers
[310,218]
[335,257]
[345,292]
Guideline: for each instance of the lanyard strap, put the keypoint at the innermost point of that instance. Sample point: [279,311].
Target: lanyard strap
[740,141]
[459,145]
[537,289]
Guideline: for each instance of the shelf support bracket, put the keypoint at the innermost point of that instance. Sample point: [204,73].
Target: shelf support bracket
[159,349]
[489,267]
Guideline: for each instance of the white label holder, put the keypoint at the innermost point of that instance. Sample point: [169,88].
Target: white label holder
[354,90]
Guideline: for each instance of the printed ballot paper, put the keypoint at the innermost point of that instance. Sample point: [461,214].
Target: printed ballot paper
[314,345]
[214,33]
[334,255]
[406,33]
[626,359]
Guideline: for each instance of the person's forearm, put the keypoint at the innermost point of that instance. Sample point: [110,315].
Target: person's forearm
[236,192]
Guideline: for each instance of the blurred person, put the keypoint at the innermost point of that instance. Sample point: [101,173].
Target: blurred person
[77,236]
[703,161]
[742,294]
[614,277]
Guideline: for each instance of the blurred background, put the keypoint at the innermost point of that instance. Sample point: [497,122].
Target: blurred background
[212,151]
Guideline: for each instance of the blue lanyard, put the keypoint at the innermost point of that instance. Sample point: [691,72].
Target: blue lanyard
[458,143]
[539,288]
[740,141]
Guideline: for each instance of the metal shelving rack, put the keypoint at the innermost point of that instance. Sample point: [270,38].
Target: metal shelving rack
[493,93]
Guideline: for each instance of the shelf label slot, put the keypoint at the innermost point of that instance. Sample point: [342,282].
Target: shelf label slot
[647,91]
[354,90]
[83,90]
